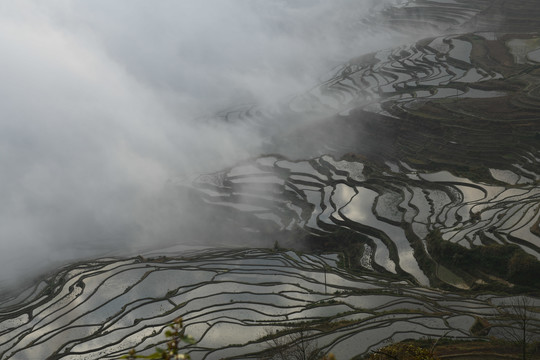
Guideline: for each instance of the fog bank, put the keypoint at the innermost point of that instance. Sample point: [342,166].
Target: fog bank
[102,103]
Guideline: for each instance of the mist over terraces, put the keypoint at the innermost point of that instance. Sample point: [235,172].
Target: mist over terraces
[401,201]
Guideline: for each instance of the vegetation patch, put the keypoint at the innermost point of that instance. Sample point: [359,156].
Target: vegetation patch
[508,262]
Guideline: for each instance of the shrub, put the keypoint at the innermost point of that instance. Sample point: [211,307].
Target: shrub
[401,351]
[175,337]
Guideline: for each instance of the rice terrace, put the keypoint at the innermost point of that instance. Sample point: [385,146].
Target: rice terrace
[407,210]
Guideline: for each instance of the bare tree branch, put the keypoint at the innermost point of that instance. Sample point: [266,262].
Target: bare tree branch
[518,324]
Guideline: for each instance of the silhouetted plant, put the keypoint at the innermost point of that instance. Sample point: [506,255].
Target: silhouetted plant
[294,346]
[521,321]
[175,335]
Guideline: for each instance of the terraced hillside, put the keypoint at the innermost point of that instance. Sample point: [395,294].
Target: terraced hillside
[233,303]
[414,196]
[411,162]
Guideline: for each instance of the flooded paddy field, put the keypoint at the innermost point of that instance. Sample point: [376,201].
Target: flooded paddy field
[409,209]
[387,214]
[230,301]
[418,169]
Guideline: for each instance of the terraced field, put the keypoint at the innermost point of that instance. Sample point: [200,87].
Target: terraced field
[388,214]
[421,158]
[233,302]
[416,187]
